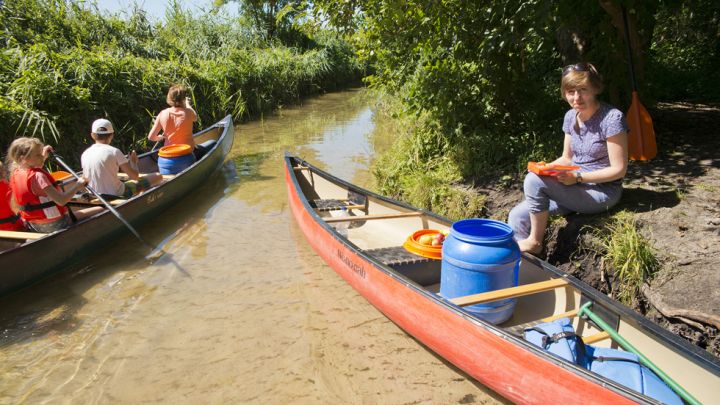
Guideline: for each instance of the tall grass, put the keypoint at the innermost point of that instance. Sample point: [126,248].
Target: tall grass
[63,64]
[432,183]
[628,253]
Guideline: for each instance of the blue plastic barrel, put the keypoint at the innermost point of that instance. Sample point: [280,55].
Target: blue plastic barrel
[173,159]
[480,255]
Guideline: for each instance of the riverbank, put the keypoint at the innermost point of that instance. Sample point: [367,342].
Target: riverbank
[675,200]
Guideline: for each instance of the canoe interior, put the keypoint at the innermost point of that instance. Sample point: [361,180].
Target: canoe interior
[382,240]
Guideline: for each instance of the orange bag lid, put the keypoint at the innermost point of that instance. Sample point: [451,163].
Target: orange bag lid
[413,246]
[543,169]
[60,175]
[179,149]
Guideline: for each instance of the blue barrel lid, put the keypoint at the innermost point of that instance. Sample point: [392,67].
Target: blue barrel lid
[479,230]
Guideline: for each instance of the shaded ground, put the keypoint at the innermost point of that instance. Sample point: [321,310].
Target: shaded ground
[676,201]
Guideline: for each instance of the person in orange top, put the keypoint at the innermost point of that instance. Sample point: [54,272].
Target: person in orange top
[41,202]
[9,220]
[176,121]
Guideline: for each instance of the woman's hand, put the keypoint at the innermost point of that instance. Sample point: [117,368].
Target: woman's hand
[567,178]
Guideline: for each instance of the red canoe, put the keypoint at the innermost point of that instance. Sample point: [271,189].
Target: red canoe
[369,255]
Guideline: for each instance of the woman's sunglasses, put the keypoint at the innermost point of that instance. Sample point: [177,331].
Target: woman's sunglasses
[578,67]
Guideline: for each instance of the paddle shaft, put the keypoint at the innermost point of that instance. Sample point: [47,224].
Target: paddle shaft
[102,200]
[585,310]
[629,49]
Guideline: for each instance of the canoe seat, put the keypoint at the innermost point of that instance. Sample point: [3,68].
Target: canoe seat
[21,235]
[333,204]
[422,270]
[95,201]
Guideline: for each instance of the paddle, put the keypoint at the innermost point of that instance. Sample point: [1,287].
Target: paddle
[108,206]
[641,139]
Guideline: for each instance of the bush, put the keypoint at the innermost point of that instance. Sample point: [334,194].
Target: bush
[63,65]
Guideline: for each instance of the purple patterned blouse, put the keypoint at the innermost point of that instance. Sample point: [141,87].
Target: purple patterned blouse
[589,141]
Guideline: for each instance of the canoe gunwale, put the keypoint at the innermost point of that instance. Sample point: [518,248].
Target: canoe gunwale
[434,299]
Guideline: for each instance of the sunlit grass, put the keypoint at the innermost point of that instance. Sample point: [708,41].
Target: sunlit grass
[628,254]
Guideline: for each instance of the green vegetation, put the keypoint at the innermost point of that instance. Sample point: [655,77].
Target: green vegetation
[479,81]
[628,254]
[63,64]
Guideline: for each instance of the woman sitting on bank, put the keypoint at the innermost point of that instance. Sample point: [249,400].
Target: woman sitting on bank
[176,121]
[595,140]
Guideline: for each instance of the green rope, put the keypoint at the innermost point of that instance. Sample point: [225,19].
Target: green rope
[585,310]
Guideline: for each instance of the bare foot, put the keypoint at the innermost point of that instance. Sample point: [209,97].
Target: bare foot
[530,246]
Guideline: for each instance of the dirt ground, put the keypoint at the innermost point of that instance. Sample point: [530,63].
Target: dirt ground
[675,199]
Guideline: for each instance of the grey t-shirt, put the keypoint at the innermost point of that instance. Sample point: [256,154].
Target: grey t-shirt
[589,141]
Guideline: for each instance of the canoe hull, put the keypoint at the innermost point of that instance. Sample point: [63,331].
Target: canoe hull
[508,368]
[38,259]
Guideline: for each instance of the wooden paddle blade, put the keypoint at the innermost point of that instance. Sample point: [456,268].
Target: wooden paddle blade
[641,139]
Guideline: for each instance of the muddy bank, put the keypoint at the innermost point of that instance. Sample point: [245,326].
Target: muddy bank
[675,199]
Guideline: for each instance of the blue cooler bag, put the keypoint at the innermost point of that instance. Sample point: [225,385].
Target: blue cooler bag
[625,368]
[558,337]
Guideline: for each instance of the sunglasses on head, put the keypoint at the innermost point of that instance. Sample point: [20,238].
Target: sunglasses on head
[577,67]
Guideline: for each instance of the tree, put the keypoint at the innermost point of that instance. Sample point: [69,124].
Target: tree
[270,17]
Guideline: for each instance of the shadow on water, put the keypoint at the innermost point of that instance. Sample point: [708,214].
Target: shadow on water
[248,166]
[50,307]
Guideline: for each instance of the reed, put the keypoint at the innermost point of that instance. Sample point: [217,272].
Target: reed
[63,64]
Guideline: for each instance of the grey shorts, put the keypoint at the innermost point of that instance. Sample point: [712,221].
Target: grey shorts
[49,227]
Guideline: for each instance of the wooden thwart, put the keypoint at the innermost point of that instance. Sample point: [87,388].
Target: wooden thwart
[569,314]
[369,217]
[21,235]
[595,338]
[511,292]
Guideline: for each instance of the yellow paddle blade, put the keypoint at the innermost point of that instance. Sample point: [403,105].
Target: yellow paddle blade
[641,139]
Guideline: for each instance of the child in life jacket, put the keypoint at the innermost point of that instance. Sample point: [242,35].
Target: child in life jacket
[9,220]
[101,163]
[41,202]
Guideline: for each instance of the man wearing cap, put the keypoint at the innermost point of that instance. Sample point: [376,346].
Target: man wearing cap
[102,162]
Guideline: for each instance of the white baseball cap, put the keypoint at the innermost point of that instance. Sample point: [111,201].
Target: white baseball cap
[102,126]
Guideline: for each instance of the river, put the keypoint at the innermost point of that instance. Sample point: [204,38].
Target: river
[240,309]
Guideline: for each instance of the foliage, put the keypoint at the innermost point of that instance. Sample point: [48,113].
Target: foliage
[686,52]
[63,64]
[628,253]
[274,19]
[483,77]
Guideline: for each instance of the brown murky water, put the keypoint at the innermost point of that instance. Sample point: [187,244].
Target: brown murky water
[240,310]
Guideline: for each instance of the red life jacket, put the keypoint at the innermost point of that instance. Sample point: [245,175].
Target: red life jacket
[32,207]
[9,221]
